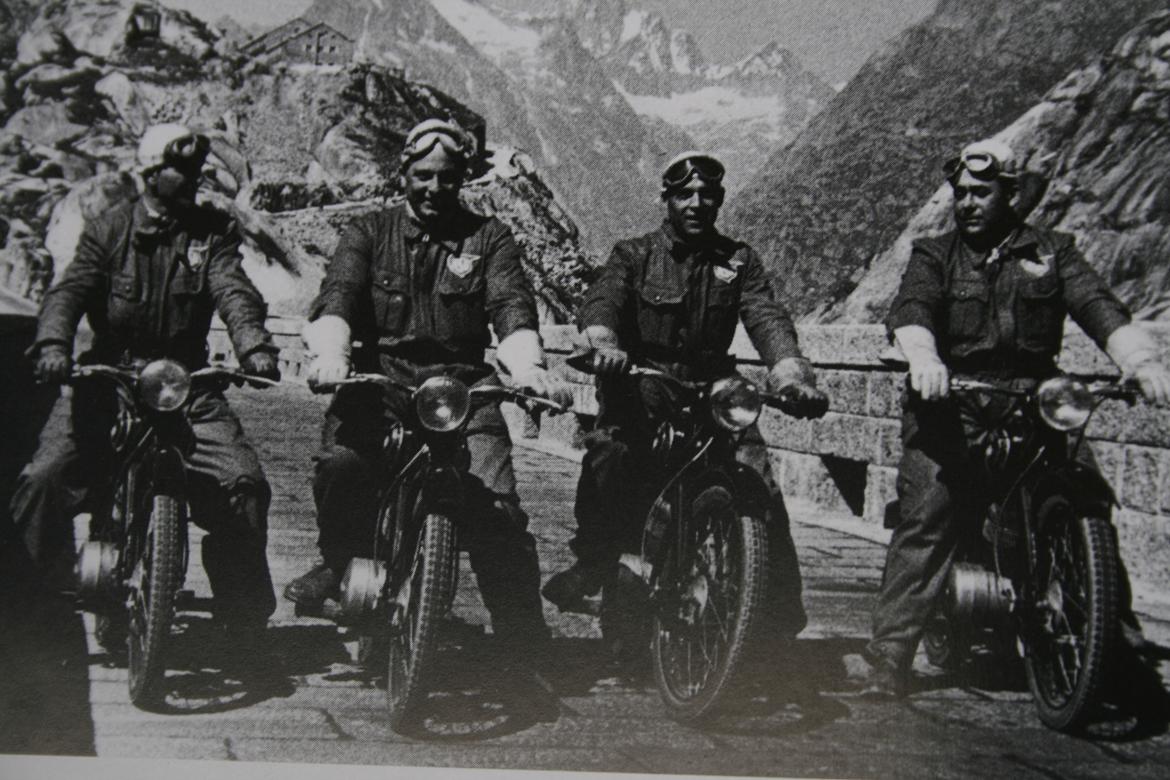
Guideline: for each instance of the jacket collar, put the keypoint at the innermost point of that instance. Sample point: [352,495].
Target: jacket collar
[450,233]
[1019,242]
[713,246]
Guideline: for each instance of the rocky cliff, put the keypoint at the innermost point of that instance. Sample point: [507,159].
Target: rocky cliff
[297,150]
[743,111]
[823,208]
[1101,138]
[536,92]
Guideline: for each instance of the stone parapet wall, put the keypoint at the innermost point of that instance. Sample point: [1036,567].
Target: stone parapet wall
[847,461]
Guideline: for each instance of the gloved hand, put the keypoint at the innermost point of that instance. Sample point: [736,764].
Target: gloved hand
[328,341]
[327,370]
[261,363]
[930,379]
[795,382]
[928,374]
[803,401]
[540,382]
[54,364]
[610,361]
[1154,380]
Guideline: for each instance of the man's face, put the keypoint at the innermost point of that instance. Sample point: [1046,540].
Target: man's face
[693,208]
[175,188]
[432,183]
[981,206]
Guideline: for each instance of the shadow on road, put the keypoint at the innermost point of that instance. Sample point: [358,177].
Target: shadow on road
[209,671]
[44,691]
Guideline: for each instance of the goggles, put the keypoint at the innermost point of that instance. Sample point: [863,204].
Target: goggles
[423,140]
[708,169]
[983,165]
[187,153]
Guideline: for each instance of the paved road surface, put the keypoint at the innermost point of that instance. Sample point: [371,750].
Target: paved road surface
[804,721]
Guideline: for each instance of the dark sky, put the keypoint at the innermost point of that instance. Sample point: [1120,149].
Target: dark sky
[832,37]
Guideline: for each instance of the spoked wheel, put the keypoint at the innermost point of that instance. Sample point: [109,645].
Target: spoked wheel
[153,584]
[417,612]
[712,594]
[1070,645]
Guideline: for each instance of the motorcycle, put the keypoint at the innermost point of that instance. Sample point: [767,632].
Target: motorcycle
[694,594]
[1041,574]
[399,597]
[132,567]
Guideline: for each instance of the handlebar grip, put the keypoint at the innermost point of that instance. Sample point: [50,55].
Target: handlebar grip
[581,361]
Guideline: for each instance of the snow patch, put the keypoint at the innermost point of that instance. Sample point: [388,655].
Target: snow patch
[632,25]
[709,103]
[500,41]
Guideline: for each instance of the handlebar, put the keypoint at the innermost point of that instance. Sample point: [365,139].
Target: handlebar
[492,392]
[208,374]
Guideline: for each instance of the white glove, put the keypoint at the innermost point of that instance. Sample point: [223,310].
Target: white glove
[1136,353]
[522,358]
[328,340]
[928,374]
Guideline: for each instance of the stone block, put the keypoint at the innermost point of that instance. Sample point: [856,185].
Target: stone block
[888,437]
[1141,481]
[879,491]
[1111,421]
[1144,540]
[884,393]
[820,343]
[860,345]
[1147,425]
[845,435]
[805,476]
[846,390]
[1110,459]
[784,432]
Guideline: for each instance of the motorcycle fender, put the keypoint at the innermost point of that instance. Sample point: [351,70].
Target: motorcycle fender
[1083,486]
[751,492]
[442,490]
[168,471]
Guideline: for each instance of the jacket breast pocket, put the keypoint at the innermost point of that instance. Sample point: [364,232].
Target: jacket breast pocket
[722,314]
[660,315]
[391,299]
[123,304]
[191,306]
[460,312]
[968,304]
[1040,314]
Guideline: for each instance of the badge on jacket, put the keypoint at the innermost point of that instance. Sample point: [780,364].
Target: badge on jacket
[1037,267]
[197,252]
[727,274]
[462,265]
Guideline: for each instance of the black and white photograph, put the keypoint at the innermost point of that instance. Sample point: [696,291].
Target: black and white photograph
[585,388]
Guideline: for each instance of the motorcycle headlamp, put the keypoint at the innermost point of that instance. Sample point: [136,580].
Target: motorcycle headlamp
[442,403]
[735,403]
[164,385]
[1065,404]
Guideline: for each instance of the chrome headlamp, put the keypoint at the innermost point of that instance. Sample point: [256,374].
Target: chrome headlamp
[164,385]
[1065,404]
[735,403]
[442,403]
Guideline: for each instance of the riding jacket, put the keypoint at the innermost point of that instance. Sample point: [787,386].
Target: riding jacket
[1003,312]
[149,286]
[427,296]
[679,302]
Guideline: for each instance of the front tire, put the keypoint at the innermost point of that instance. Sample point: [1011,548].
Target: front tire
[1070,647]
[413,643]
[155,581]
[703,629]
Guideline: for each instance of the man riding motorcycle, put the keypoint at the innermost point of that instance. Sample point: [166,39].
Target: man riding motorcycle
[987,300]
[671,300]
[148,275]
[418,285]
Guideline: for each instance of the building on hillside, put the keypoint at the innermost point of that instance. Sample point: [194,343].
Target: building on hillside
[301,41]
